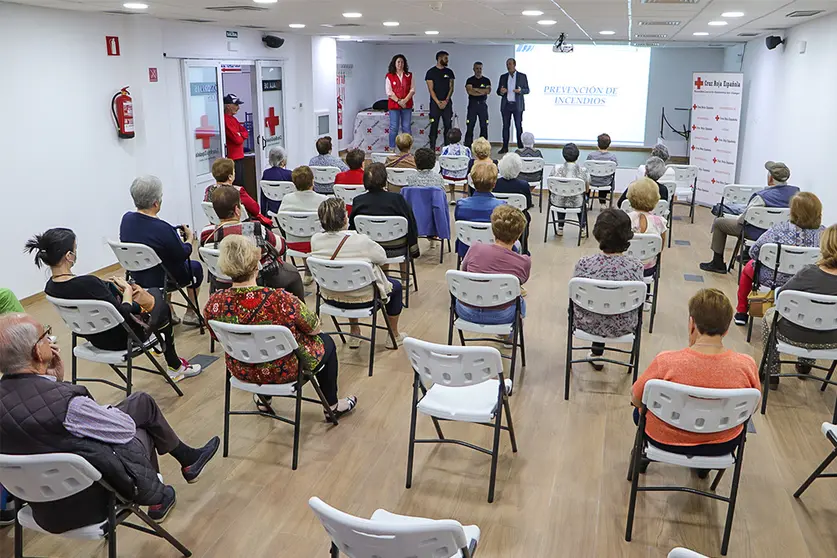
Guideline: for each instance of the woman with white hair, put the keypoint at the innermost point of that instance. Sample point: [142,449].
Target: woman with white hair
[528,139]
[278,159]
[510,183]
[655,169]
[660,151]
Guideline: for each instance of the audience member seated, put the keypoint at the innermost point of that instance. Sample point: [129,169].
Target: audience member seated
[353,176]
[509,183]
[143,226]
[659,151]
[528,139]
[145,311]
[9,302]
[643,196]
[403,159]
[570,169]
[705,363]
[654,169]
[305,199]
[223,170]
[482,154]
[324,158]
[247,303]
[278,158]
[777,194]
[378,202]
[274,272]
[613,232]
[338,243]
[478,207]
[41,413]
[803,229]
[455,148]
[602,155]
[818,279]
[426,175]
[507,224]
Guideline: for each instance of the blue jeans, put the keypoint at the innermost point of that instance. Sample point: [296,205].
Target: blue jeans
[404,117]
[489,316]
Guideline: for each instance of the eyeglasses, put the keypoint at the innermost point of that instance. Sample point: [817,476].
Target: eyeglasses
[46,333]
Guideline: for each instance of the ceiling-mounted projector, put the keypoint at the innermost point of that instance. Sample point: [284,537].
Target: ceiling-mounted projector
[562,46]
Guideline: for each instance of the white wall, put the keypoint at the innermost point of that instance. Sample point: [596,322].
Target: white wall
[790,110]
[364,83]
[324,83]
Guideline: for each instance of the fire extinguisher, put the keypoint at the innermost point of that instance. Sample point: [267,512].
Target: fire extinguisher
[122,107]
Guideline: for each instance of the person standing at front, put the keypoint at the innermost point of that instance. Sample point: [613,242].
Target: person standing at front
[236,136]
[439,80]
[400,92]
[513,86]
[478,88]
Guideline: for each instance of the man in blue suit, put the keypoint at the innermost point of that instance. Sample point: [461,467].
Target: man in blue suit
[512,88]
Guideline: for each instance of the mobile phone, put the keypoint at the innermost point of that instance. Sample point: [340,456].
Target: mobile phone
[52,339]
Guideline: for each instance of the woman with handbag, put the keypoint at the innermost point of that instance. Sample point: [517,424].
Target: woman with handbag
[247,303]
[145,311]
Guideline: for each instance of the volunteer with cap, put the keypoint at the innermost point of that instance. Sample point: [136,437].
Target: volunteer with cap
[777,194]
[236,136]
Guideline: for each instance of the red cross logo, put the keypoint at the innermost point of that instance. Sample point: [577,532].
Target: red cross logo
[369,148]
[694,127]
[205,132]
[386,130]
[421,132]
[694,107]
[699,83]
[716,139]
[717,118]
[271,121]
[386,148]
[713,181]
[693,148]
[369,130]
[715,160]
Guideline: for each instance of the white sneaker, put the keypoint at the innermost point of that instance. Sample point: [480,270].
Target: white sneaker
[399,338]
[186,370]
[560,231]
[354,343]
[307,279]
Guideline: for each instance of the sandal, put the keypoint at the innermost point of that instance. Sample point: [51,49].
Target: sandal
[351,403]
[263,404]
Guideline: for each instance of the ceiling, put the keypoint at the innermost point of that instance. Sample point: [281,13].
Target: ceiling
[647,22]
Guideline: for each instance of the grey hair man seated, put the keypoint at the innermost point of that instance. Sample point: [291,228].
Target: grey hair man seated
[655,168]
[40,413]
[278,159]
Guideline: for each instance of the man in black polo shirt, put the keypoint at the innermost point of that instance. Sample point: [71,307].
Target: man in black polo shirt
[478,87]
[439,80]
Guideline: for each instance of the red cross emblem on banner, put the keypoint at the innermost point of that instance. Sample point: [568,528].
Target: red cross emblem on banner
[715,160]
[369,148]
[369,130]
[693,148]
[694,127]
[699,83]
[271,121]
[713,181]
[386,148]
[717,118]
[421,132]
[204,132]
[694,107]
[386,130]
[716,139]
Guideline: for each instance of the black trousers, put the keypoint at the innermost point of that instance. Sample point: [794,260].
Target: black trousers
[327,377]
[509,112]
[477,110]
[446,115]
[153,430]
[239,172]
[161,321]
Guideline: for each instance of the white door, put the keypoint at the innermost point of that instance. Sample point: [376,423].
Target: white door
[271,101]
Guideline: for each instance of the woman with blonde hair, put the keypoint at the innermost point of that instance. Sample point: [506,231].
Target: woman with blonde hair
[643,195]
[481,150]
[404,159]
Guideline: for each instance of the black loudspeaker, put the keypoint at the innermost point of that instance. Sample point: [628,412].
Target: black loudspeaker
[773,41]
[272,41]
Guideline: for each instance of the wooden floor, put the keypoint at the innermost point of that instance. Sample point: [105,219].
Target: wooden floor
[563,494]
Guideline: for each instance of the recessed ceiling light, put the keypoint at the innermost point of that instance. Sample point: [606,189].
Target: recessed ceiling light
[135,6]
[265,1]
[352,15]
[718,23]
[297,25]
[547,22]
[701,34]
[431,32]
[732,14]
[343,37]
[607,32]
[532,13]
[391,24]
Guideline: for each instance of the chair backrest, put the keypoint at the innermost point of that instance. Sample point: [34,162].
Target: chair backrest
[275,189]
[363,538]
[607,297]
[324,175]
[697,409]
[661,209]
[468,232]
[454,162]
[379,157]
[532,164]
[766,217]
[483,289]
[341,275]
[254,344]
[740,194]
[671,188]
[684,175]
[515,200]
[790,259]
[209,211]
[814,311]
[382,229]
[87,317]
[645,246]
[453,366]
[46,477]
[301,224]
[600,168]
[348,193]
[134,257]
[684,553]
[210,256]
[565,186]
[399,177]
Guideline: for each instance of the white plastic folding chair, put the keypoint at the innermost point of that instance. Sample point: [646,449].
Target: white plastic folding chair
[139,257]
[389,535]
[829,430]
[325,175]
[380,157]
[780,258]
[810,311]
[399,177]
[609,298]
[257,344]
[532,165]
[89,317]
[209,211]
[565,187]
[517,201]
[454,164]
[684,553]
[601,169]
[346,276]
[275,190]
[50,477]
[348,193]
[468,232]
[209,256]
[298,226]
[463,384]
[661,209]
[759,217]
[646,247]
[737,194]
[671,189]
[701,411]
[685,179]
[391,229]
[487,290]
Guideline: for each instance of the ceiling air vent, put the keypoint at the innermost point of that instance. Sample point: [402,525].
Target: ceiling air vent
[805,13]
[342,25]
[237,9]
[117,12]
[646,44]
[748,34]
[403,35]
[254,26]
[195,20]
[659,23]
[670,1]
[651,36]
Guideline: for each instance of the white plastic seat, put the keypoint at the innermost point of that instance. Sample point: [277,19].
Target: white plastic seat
[518,201]
[762,218]
[454,164]
[737,194]
[700,411]
[684,553]
[829,430]
[89,352]
[661,209]
[275,190]
[93,532]
[209,211]
[400,177]
[348,193]
[685,180]
[532,165]
[646,247]
[379,157]
[459,384]
[468,232]
[482,329]
[601,169]
[209,256]
[324,174]
[565,187]
[391,229]
[298,225]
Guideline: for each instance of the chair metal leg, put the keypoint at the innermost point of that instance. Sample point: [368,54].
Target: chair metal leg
[826,462]
[405,279]
[513,364]
[226,413]
[112,526]
[717,480]
[162,372]
[161,532]
[512,437]
[670,224]
[326,407]
[74,361]
[451,319]
[638,345]
[339,331]
[415,275]
[764,368]
[495,453]
[522,343]
[568,366]
[828,377]
[335,552]
[128,371]
[297,421]
[637,456]
[372,337]
[546,225]
[733,496]
[694,195]
[18,531]
[413,413]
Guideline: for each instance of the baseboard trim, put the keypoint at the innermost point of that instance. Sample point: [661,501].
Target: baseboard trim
[37,297]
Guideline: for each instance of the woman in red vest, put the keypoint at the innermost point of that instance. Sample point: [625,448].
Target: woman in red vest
[400,91]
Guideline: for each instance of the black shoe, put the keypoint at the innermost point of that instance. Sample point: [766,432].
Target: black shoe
[159,511]
[703,473]
[193,471]
[714,267]
[7,516]
[774,383]
[503,151]
[643,465]
[803,369]
[741,318]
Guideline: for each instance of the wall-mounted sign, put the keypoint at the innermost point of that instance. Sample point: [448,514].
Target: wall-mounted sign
[271,85]
[113,45]
[152,75]
[230,69]
[232,34]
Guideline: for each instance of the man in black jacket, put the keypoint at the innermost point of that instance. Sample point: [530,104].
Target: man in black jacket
[512,88]
[40,413]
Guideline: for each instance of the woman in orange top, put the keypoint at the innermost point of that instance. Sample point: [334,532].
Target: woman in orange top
[705,363]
